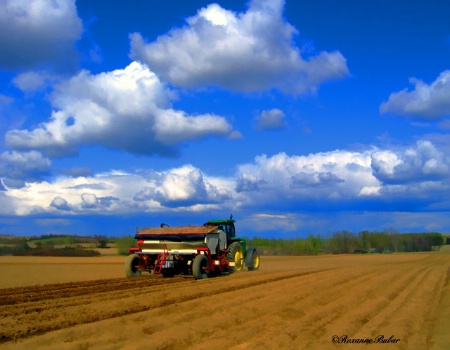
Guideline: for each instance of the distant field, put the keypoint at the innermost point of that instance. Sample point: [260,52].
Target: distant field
[291,303]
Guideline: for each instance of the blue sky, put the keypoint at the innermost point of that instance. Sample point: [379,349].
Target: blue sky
[296,117]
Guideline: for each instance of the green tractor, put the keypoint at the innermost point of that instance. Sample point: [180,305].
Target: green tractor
[200,251]
[237,250]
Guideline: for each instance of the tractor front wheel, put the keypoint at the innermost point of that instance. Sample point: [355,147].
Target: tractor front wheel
[235,255]
[131,265]
[200,266]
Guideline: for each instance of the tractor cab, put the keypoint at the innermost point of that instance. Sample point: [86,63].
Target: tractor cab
[225,225]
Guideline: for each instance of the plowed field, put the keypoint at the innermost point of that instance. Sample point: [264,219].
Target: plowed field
[397,301]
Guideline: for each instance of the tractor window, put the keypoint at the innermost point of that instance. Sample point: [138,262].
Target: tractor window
[230,231]
[228,227]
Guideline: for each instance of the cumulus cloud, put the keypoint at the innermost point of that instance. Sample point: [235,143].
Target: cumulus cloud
[365,180]
[60,204]
[272,119]
[282,179]
[180,189]
[424,101]
[183,187]
[345,180]
[248,183]
[38,32]
[127,109]
[423,162]
[18,167]
[91,201]
[251,51]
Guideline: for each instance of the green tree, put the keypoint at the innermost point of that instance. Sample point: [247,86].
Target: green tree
[313,244]
[364,240]
[124,243]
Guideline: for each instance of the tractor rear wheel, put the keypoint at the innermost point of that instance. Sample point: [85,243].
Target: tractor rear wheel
[252,259]
[235,255]
[131,263]
[200,266]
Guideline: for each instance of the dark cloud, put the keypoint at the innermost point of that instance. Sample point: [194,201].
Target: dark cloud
[248,183]
[77,172]
[18,167]
[38,33]
[315,179]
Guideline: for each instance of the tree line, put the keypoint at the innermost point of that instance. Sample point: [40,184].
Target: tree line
[346,242]
[340,242]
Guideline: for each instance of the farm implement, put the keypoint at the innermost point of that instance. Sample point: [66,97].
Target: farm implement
[198,251]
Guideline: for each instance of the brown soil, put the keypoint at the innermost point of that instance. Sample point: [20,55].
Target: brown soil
[291,303]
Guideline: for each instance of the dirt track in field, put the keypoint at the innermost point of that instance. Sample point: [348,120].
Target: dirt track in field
[291,303]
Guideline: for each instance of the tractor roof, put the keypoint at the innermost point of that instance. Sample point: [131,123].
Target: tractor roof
[215,222]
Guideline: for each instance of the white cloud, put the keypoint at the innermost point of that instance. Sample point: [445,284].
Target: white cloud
[89,200]
[384,162]
[369,180]
[331,176]
[60,204]
[185,188]
[424,101]
[421,171]
[36,32]
[423,162]
[67,195]
[272,119]
[251,51]
[127,109]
